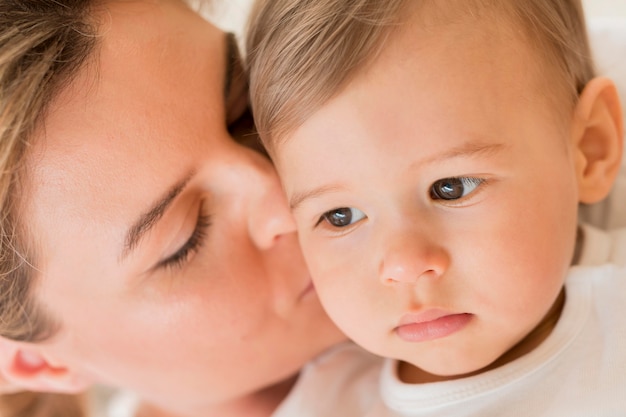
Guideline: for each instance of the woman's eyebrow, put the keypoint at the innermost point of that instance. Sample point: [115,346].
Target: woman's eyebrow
[149,219]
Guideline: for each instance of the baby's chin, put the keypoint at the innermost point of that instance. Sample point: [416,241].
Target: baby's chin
[419,371]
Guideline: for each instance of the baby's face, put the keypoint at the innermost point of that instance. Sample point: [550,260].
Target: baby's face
[436,198]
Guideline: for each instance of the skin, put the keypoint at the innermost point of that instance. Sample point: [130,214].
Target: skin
[484,270]
[224,330]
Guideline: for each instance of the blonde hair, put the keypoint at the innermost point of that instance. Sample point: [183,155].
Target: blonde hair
[300,53]
[43,43]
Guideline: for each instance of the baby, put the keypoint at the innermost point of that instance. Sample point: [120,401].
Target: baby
[434,154]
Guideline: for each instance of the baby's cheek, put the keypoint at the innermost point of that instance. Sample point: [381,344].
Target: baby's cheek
[336,276]
[328,280]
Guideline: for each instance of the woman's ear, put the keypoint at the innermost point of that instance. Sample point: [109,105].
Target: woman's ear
[598,135]
[25,366]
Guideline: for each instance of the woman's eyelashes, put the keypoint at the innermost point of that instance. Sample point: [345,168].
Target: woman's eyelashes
[195,241]
[454,188]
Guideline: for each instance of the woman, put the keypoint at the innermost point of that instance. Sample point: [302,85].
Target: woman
[142,247]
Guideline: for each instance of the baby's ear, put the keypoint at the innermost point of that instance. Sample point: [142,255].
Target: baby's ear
[598,134]
[25,366]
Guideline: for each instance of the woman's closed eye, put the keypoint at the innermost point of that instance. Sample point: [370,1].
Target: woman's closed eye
[454,188]
[178,259]
[341,217]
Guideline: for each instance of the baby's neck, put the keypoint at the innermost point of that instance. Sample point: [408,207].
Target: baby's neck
[413,375]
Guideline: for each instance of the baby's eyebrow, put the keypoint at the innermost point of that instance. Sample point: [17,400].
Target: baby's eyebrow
[298,198]
[467,149]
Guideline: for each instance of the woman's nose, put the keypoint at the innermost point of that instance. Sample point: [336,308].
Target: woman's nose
[271,220]
[410,257]
[270,216]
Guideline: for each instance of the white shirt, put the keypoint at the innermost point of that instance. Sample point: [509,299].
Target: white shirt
[343,383]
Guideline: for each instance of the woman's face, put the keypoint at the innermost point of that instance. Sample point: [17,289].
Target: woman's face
[166,250]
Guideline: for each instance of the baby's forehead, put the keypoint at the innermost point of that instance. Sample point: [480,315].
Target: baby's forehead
[553,32]
[484,43]
[456,51]
[484,26]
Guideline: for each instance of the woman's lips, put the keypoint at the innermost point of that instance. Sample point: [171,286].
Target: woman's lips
[431,324]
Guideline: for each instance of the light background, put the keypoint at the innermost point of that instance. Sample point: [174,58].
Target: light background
[610,8]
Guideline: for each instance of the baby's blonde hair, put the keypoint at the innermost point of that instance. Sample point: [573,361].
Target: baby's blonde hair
[300,53]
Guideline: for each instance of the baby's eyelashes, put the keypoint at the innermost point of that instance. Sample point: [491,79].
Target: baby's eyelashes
[454,188]
[342,217]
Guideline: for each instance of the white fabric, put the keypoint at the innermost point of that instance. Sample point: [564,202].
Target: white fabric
[342,383]
[108,402]
[579,370]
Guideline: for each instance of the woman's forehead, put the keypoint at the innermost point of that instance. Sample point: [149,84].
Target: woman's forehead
[157,74]
[135,118]
[164,43]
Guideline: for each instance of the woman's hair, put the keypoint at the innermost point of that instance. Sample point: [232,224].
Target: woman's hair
[43,43]
[300,53]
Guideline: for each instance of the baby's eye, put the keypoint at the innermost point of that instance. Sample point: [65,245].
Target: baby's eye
[454,188]
[342,217]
